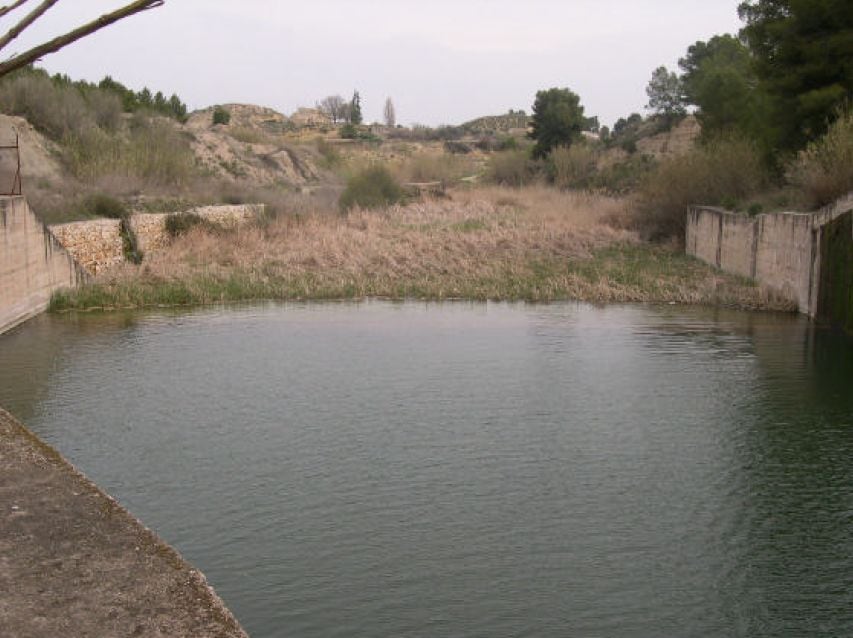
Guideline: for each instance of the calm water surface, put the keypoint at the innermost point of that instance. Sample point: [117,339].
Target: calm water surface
[470,470]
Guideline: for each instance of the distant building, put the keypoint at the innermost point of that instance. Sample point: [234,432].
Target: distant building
[311,119]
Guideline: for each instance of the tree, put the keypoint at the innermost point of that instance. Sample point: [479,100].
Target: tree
[558,120]
[335,107]
[803,51]
[719,78]
[665,94]
[390,114]
[19,60]
[354,115]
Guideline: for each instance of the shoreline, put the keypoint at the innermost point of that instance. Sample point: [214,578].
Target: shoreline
[74,550]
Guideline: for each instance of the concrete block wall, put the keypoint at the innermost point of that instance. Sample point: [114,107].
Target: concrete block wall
[33,264]
[703,234]
[781,251]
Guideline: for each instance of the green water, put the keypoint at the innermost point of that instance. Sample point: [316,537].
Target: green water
[484,470]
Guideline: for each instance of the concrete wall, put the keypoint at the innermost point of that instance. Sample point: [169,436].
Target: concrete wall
[781,251]
[97,244]
[835,290]
[33,264]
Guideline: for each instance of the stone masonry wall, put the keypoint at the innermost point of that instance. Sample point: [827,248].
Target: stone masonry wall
[33,264]
[97,244]
[150,228]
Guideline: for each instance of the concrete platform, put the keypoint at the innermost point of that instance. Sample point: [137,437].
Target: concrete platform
[75,563]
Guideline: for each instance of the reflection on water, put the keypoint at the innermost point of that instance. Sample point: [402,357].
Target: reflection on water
[470,469]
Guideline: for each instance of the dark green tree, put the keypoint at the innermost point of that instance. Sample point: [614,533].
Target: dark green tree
[355,116]
[719,78]
[803,51]
[558,120]
[665,94]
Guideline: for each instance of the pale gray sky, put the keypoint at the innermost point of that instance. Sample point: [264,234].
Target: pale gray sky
[441,61]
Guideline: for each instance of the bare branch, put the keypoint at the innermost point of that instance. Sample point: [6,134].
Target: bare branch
[11,7]
[26,21]
[28,57]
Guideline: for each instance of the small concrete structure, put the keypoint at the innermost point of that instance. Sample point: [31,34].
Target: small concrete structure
[33,264]
[73,562]
[782,251]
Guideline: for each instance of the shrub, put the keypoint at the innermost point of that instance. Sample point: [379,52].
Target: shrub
[179,224]
[129,242]
[103,205]
[374,187]
[573,166]
[624,176]
[824,170]
[151,151]
[349,132]
[55,110]
[511,168]
[727,170]
[331,156]
[435,168]
[221,115]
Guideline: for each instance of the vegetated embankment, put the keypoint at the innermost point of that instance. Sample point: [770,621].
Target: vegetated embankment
[535,244]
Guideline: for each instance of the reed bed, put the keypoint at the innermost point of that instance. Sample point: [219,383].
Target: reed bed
[535,244]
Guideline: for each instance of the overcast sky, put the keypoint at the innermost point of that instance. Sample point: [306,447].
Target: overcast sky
[441,61]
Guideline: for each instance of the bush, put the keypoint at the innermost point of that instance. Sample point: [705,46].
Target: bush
[221,115]
[824,170]
[727,170]
[53,109]
[374,187]
[573,166]
[511,168]
[103,205]
[435,168]
[151,151]
[331,156]
[179,224]
[624,176]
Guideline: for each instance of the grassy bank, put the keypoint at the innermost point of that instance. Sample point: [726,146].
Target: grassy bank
[534,244]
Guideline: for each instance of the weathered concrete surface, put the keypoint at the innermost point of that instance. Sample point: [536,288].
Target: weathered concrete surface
[782,251]
[835,303]
[75,563]
[33,264]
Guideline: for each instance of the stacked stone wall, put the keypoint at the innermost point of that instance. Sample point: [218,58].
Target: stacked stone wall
[97,244]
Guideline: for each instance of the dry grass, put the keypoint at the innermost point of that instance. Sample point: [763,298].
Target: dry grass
[493,243]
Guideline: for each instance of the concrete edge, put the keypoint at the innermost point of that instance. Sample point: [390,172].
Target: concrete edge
[196,578]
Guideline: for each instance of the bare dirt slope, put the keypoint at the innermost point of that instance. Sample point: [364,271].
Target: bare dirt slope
[38,154]
[253,147]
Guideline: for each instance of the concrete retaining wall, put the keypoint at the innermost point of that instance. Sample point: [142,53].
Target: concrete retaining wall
[781,251]
[33,264]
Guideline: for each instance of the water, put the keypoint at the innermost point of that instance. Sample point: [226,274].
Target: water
[462,470]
